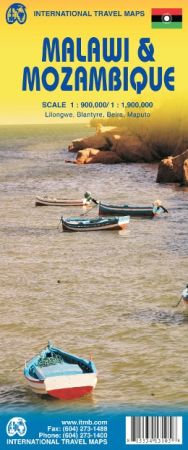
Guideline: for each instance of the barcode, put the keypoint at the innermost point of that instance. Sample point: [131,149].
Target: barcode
[153,430]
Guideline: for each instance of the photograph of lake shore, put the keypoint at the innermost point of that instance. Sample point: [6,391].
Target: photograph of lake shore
[108,295]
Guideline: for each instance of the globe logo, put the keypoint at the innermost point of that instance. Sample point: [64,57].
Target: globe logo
[16,425]
[16,13]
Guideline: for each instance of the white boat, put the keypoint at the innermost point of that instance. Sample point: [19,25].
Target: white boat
[60,374]
[52,201]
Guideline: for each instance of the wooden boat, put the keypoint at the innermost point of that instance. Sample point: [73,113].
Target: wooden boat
[133,211]
[94,224]
[123,210]
[49,201]
[60,374]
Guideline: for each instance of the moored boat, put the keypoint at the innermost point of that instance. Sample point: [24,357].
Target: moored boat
[123,210]
[94,224]
[49,201]
[133,211]
[60,374]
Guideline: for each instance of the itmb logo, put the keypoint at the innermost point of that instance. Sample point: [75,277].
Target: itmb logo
[16,425]
[16,13]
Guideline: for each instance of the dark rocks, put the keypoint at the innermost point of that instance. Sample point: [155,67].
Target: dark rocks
[94,156]
[134,143]
[98,141]
[126,146]
[174,169]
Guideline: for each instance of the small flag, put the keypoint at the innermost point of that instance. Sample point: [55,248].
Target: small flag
[166,18]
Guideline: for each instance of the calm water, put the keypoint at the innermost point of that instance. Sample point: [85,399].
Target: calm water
[117,291]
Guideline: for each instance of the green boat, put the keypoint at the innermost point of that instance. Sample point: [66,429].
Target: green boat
[133,211]
[94,224]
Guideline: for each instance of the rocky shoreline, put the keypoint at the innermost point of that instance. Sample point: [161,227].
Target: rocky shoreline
[113,145]
[174,169]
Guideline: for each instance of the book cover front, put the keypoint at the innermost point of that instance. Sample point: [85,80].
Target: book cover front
[93,224]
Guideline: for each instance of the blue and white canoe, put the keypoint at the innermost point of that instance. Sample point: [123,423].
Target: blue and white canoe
[60,374]
[94,224]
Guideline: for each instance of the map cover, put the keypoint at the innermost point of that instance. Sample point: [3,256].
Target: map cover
[93,224]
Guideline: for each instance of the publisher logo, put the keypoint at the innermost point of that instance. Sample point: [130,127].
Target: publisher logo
[16,13]
[16,425]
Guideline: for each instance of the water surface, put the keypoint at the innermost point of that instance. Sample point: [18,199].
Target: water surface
[117,289]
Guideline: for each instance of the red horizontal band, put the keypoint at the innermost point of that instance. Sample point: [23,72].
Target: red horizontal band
[171,11]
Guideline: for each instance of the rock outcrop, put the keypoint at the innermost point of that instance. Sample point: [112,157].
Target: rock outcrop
[185,173]
[85,156]
[126,146]
[92,156]
[174,169]
[100,141]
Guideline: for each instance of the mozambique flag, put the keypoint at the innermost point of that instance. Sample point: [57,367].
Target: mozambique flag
[166,18]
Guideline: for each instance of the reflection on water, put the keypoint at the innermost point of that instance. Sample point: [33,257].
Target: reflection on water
[117,290]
